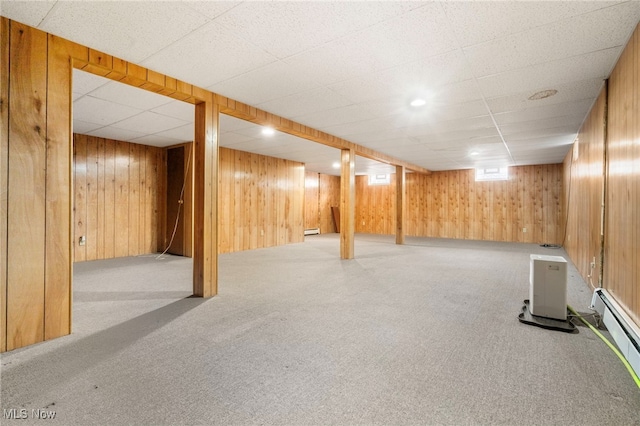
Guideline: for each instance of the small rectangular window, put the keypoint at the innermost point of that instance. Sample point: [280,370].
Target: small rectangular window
[492,173]
[380,179]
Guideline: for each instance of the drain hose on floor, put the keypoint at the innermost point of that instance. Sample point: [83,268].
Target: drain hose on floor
[611,346]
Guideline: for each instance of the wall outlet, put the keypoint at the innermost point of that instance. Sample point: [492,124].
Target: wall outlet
[82,241]
[524,229]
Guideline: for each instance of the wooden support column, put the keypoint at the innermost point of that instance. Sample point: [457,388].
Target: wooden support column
[58,260]
[347,203]
[205,200]
[401,204]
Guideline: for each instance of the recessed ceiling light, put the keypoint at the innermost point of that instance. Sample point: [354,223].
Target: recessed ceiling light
[418,102]
[474,153]
[543,94]
[336,165]
[268,131]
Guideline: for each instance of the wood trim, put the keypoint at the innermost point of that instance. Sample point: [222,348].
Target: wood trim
[401,204]
[258,116]
[347,203]
[4,174]
[59,195]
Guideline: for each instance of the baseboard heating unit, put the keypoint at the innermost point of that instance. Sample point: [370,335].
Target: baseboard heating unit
[624,331]
[313,231]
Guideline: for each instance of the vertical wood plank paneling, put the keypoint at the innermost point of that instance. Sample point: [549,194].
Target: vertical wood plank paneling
[109,199]
[622,245]
[134,198]
[401,204]
[98,198]
[101,170]
[329,197]
[311,200]
[4,174]
[122,199]
[80,196]
[91,225]
[161,200]
[26,186]
[452,205]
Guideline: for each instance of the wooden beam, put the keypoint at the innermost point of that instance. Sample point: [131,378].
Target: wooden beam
[401,204]
[347,203]
[205,200]
[255,115]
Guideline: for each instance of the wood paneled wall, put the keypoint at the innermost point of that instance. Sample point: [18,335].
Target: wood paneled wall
[116,187]
[261,201]
[321,193]
[622,236]
[311,200]
[329,197]
[452,204]
[583,194]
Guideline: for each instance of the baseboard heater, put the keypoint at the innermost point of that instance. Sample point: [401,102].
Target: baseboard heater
[624,331]
[312,231]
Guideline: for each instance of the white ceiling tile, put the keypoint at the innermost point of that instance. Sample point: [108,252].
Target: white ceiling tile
[305,103]
[335,116]
[27,12]
[565,130]
[124,94]
[116,134]
[476,22]
[212,9]
[83,127]
[548,75]
[129,30]
[149,122]
[85,82]
[208,55]
[534,112]
[99,111]
[567,92]
[156,140]
[177,109]
[583,34]
[231,124]
[573,121]
[427,73]
[184,133]
[273,81]
[286,28]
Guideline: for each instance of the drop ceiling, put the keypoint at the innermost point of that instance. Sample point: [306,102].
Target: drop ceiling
[351,68]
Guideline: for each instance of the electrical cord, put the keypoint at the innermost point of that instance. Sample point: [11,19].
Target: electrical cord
[615,350]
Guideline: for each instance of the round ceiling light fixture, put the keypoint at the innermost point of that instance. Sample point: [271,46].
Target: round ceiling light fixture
[474,153]
[543,94]
[336,165]
[418,102]
[268,131]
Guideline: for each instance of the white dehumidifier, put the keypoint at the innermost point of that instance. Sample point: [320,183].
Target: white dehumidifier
[548,286]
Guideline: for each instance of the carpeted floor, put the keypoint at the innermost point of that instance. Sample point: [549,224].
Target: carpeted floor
[425,333]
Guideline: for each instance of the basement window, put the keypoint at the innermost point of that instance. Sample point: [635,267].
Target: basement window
[379,179]
[492,173]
